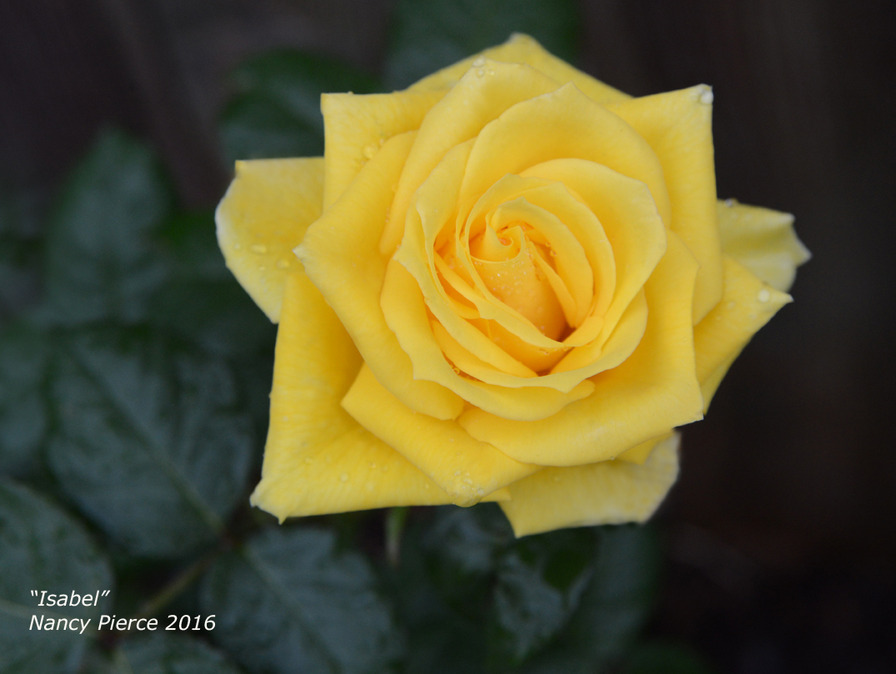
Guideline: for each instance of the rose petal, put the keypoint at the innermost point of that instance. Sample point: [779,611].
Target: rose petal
[631,223]
[468,470]
[610,492]
[678,126]
[356,126]
[579,249]
[340,255]
[262,217]
[763,241]
[746,306]
[317,458]
[459,116]
[406,314]
[654,390]
[523,49]
[629,220]
[579,129]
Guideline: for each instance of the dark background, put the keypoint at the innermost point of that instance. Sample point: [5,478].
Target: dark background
[780,531]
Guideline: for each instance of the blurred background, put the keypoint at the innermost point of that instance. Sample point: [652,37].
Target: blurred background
[779,534]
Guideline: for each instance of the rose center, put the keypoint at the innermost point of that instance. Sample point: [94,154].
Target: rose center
[510,265]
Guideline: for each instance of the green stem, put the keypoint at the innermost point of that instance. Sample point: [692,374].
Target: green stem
[395,521]
[178,584]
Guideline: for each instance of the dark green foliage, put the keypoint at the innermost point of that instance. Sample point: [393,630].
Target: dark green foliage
[290,601]
[43,548]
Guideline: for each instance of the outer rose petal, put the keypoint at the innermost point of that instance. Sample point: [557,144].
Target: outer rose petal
[523,49]
[746,306]
[340,255]
[317,458]
[262,218]
[467,469]
[763,241]
[610,492]
[678,126]
[355,128]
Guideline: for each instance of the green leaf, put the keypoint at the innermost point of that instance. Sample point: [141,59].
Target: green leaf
[443,586]
[621,595]
[475,599]
[23,420]
[162,653]
[431,34]
[150,439]
[100,258]
[465,543]
[290,601]
[539,585]
[276,109]
[613,607]
[43,548]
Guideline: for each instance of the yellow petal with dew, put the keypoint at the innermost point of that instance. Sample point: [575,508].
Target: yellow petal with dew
[468,470]
[434,212]
[579,128]
[610,492]
[655,389]
[623,340]
[763,241]
[356,126]
[262,217]
[629,220]
[567,236]
[405,312]
[517,282]
[523,49]
[746,306]
[459,116]
[341,257]
[678,126]
[317,458]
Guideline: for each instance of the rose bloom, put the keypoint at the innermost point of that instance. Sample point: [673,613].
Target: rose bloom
[509,282]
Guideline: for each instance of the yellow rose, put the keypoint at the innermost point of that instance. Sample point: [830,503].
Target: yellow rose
[509,282]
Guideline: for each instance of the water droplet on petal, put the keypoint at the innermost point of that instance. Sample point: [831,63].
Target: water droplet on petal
[764,295]
[343,477]
[258,248]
